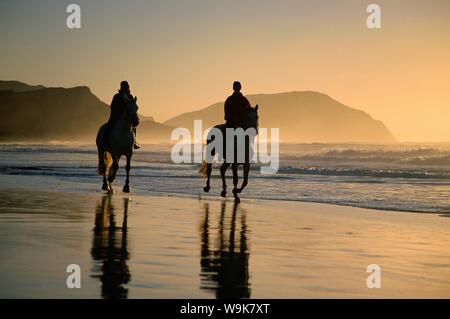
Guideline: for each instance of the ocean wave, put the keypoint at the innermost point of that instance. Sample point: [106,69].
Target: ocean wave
[405,180]
[363,172]
[190,171]
[409,155]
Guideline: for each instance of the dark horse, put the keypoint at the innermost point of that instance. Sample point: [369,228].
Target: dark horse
[206,168]
[121,142]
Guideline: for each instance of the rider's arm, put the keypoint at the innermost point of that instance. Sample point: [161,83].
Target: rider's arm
[247,103]
[115,106]
[227,110]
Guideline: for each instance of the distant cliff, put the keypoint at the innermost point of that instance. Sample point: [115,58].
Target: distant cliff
[36,113]
[72,114]
[17,86]
[301,117]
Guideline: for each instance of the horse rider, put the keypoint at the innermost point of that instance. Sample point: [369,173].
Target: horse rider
[236,111]
[118,106]
[236,107]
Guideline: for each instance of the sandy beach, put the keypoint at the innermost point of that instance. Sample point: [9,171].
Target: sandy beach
[145,246]
[195,152]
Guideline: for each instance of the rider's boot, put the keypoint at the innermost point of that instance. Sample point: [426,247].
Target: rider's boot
[136,145]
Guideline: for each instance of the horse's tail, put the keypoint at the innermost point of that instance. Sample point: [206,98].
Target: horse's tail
[203,169]
[104,162]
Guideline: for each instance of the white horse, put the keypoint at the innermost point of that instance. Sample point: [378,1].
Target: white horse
[121,142]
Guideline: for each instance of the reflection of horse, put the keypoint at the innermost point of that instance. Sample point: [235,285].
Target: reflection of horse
[224,262]
[121,142]
[110,247]
[206,168]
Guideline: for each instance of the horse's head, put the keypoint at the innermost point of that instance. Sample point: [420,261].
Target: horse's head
[253,117]
[131,113]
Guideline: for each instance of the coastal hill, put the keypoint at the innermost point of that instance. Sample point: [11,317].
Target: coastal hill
[302,117]
[36,113]
[17,86]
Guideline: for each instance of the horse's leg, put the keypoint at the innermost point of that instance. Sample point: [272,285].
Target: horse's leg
[223,170]
[105,186]
[235,182]
[126,188]
[101,162]
[245,182]
[112,172]
[208,177]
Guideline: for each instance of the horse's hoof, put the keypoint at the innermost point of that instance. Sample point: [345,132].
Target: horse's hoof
[237,200]
[110,191]
[223,193]
[238,191]
[206,189]
[126,189]
[105,187]
[235,191]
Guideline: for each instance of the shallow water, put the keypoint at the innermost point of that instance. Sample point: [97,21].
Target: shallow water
[412,178]
[170,247]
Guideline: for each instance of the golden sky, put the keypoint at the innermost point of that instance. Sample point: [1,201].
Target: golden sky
[183,55]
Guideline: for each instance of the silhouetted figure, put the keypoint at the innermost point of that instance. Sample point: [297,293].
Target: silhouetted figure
[117,138]
[110,247]
[224,261]
[236,107]
[118,107]
[250,121]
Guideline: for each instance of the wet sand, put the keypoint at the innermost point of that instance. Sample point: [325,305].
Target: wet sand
[178,247]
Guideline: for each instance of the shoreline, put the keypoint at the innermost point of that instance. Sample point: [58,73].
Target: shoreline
[91,192]
[306,175]
[91,188]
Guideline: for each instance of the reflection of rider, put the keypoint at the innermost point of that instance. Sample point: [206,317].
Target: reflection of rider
[236,107]
[110,250]
[118,107]
[225,261]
